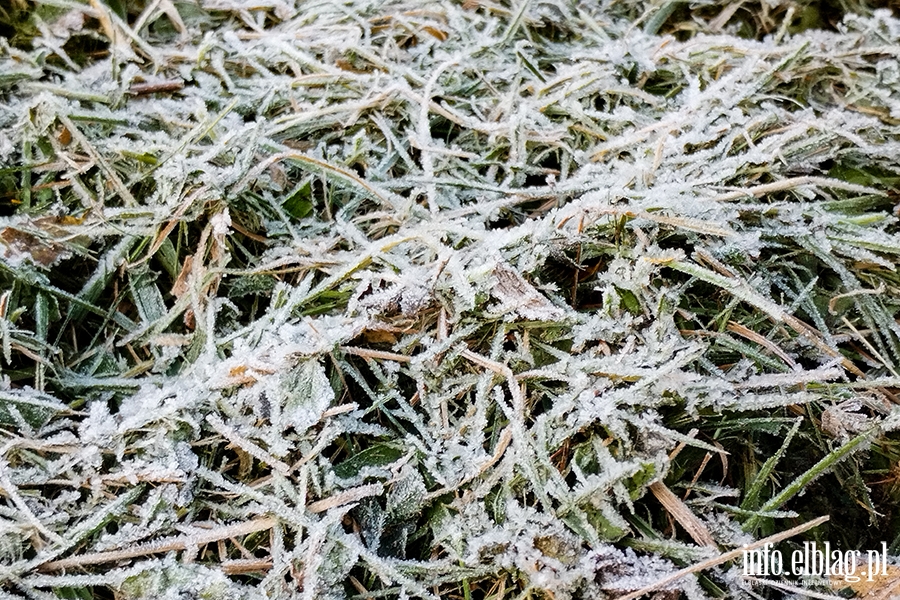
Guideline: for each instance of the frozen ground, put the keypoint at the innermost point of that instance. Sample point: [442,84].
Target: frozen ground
[441,299]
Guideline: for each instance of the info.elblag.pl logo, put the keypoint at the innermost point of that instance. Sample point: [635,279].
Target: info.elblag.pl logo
[812,561]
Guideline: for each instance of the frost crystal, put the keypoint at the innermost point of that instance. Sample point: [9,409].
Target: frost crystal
[397,299]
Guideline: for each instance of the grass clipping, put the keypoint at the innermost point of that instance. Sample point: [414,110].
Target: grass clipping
[422,299]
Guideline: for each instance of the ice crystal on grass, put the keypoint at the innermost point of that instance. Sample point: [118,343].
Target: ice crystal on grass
[420,300]
[171,580]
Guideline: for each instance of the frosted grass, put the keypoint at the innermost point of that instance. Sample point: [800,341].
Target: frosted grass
[418,300]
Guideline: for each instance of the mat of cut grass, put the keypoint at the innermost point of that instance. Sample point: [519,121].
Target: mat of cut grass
[442,300]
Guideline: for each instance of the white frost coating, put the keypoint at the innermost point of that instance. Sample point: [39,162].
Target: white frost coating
[525,462]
